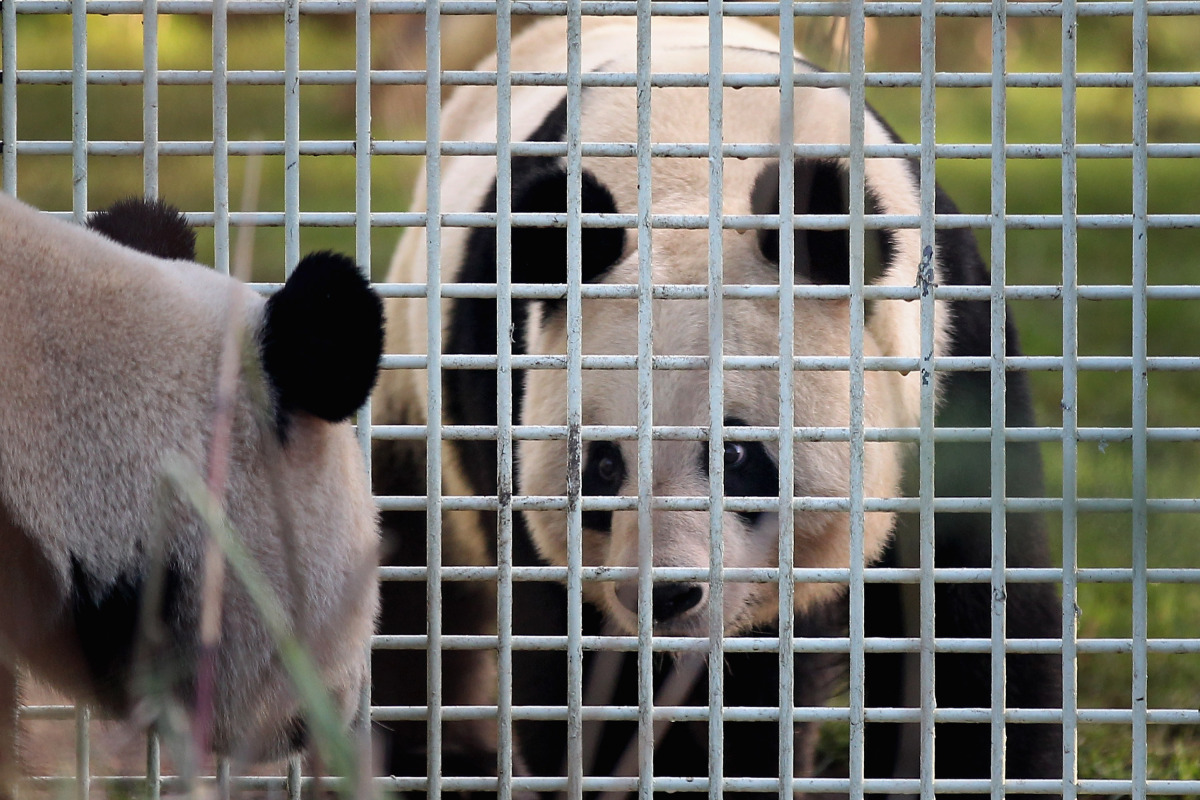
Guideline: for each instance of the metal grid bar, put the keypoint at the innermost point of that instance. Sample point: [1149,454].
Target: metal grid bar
[647,730]
[627,8]
[692,222]
[433,459]
[999,353]
[1070,407]
[787,328]
[574,506]
[858,192]
[150,98]
[889,80]
[8,95]
[927,281]
[291,135]
[504,407]
[716,407]
[1139,698]
[362,257]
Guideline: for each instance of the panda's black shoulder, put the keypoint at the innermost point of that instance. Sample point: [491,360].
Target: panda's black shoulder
[150,226]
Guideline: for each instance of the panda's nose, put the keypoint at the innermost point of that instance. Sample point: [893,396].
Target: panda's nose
[673,600]
[670,600]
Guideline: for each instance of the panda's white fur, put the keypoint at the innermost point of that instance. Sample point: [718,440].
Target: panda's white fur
[108,370]
[679,186]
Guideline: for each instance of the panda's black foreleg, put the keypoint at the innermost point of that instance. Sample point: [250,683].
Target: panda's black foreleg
[963,680]
[468,747]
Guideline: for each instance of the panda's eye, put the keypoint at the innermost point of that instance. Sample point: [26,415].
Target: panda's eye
[608,469]
[736,454]
[604,470]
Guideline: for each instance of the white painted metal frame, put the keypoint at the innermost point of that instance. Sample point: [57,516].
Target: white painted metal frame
[1069,435]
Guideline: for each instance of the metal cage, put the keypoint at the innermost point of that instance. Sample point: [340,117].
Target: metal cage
[1068,129]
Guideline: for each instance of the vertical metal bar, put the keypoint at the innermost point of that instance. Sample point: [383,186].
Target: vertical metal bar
[787,327]
[998,345]
[433,439]
[1070,404]
[362,256]
[8,95]
[716,405]
[927,279]
[79,206]
[220,100]
[362,159]
[574,406]
[223,779]
[504,396]
[79,127]
[83,754]
[1140,379]
[294,771]
[150,98]
[153,766]
[291,134]
[645,420]
[857,25]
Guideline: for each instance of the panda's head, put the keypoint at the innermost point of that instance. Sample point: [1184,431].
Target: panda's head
[680,327]
[112,359]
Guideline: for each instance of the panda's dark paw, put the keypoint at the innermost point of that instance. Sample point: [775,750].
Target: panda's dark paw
[322,336]
[151,226]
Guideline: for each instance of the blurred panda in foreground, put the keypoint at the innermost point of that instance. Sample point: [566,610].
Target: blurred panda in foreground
[110,341]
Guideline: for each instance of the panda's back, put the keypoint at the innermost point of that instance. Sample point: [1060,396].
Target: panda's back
[104,353]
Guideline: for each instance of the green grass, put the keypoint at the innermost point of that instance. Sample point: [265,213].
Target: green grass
[1031,257]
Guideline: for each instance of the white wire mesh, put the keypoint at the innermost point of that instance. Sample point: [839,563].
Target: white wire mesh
[88,66]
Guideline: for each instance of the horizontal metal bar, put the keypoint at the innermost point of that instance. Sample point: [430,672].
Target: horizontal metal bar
[700,433]
[745,222]
[1044,716]
[805,363]
[902,505]
[799,574]
[627,8]
[681,291]
[734,80]
[414,147]
[757,644]
[130,783]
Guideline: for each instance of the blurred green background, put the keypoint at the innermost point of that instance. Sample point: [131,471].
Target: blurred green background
[1033,257]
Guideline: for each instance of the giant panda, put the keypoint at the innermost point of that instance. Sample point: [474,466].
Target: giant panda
[110,343]
[680,186]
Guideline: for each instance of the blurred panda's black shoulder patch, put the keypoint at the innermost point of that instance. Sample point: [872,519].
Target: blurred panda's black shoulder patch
[322,337]
[151,226]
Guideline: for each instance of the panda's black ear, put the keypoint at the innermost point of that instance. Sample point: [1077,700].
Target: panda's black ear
[321,338]
[539,255]
[821,256]
[151,226]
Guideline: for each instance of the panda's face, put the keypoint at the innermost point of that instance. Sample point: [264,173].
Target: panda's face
[750,397]
[681,538]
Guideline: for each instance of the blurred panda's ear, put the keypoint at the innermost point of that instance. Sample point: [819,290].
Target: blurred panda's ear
[321,338]
[821,256]
[151,226]
[539,255]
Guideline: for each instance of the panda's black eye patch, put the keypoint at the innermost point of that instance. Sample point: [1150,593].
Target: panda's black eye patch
[603,475]
[821,256]
[749,469]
